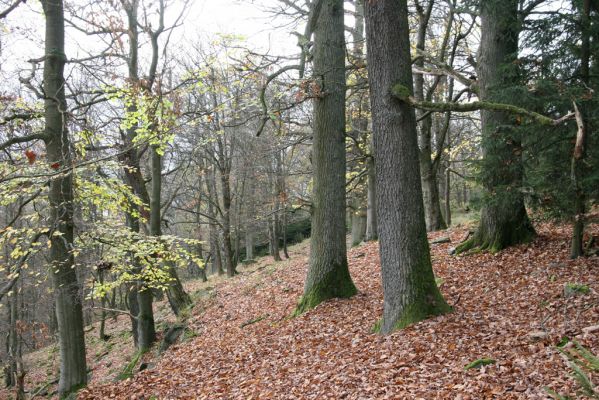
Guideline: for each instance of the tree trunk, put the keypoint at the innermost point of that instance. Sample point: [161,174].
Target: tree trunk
[102,306]
[139,299]
[371,222]
[73,369]
[133,307]
[409,288]
[430,192]
[226,224]
[216,263]
[249,243]
[273,237]
[284,231]
[503,221]
[577,165]
[430,189]
[328,273]
[448,196]
[358,221]
[177,297]
[12,339]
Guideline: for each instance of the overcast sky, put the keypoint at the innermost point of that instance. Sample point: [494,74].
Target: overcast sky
[21,34]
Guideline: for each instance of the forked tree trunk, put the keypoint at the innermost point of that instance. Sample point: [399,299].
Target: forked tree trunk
[328,273]
[139,300]
[504,221]
[409,288]
[73,368]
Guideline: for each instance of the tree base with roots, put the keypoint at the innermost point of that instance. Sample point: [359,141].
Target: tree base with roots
[337,283]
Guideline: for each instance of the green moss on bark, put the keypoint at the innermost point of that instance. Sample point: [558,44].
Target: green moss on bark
[337,283]
[479,242]
[432,306]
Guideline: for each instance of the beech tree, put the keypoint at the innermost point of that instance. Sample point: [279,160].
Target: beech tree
[69,314]
[409,288]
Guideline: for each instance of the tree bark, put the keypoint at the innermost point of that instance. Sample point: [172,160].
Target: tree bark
[430,188]
[139,299]
[577,164]
[358,221]
[73,368]
[504,221]
[177,297]
[328,273]
[216,263]
[409,288]
[371,222]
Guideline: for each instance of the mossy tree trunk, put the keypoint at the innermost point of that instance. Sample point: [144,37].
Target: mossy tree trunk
[504,221]
[328,274]
[69,312]
[409,288]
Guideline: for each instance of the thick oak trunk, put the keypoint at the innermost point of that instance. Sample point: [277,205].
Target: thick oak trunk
[409,287]
[328,273]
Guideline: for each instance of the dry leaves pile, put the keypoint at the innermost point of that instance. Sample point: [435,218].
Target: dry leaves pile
[509,307]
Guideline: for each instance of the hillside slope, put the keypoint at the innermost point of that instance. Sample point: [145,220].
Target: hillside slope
[330,352]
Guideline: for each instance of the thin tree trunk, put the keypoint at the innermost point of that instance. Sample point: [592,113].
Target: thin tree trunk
[217,267]
[409,288]
[448,196]
[103,306]
[138,298]
[358,221]
[371,222]
[328,273]
[226,223]
[577,165]
[69,313]
[430,189]
[249,244]
[177,297]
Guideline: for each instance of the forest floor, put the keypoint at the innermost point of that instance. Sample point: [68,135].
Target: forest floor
[510,307]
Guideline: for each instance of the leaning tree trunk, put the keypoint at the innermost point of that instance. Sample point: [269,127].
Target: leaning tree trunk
[328,273]
[504,221]
[73,368]
[409,288]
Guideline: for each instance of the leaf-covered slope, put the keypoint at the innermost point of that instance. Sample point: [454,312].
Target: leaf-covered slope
[509,307]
